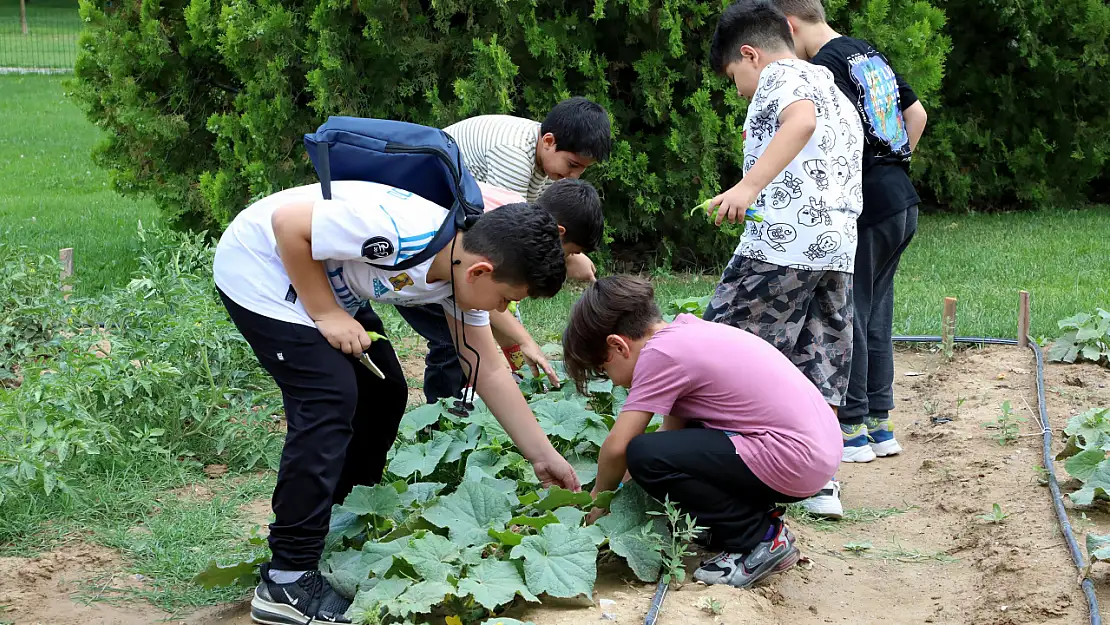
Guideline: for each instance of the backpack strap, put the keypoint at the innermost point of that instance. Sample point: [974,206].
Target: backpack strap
[323,170]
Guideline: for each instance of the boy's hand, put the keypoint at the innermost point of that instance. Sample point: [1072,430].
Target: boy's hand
[554,470]
[580,267]
[733,204]
[595,514]
[537,360]
[343,332]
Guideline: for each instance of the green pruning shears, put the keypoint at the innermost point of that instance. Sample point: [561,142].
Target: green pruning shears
[749,214]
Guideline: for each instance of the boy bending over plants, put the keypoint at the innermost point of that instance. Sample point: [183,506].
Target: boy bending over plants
[743,429]
[294,272]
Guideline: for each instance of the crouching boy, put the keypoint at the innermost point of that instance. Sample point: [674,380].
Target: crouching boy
[743,429]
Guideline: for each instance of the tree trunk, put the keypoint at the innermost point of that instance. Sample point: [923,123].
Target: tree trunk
[23,16]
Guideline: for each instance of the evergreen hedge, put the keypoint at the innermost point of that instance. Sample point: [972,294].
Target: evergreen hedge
[206,101]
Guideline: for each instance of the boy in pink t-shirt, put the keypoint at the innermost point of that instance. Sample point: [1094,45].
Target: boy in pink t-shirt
[743,429]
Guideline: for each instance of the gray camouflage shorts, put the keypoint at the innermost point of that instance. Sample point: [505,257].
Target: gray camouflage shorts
[807,315]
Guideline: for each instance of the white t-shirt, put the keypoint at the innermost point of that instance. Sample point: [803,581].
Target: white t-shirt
[501,150]
[810,210]
[364,222]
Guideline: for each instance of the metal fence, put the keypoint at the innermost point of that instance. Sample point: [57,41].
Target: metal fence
[42,39]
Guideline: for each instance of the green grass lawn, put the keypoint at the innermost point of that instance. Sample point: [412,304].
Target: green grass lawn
[51,39]
[52,195]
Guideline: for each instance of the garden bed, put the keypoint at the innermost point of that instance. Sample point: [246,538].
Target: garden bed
[918,543]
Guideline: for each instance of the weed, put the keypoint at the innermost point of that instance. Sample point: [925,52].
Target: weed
[996,515]
[683,531]
[709,605]
[857,547]
[1006,425]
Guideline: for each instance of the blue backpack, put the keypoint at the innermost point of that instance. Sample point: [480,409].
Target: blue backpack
[419,159]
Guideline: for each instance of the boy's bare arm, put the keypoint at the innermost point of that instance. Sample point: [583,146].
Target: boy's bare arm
[612,463]
[514,333]
[798,122]
[292,225]
[915,117]
[496,387]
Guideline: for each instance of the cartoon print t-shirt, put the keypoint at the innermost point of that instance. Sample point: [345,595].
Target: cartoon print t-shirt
[363,223]
[809,211]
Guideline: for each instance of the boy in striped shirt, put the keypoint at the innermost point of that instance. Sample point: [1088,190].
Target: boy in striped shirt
[519,156]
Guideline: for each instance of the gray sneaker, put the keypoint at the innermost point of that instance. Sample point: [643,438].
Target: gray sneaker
[743,570]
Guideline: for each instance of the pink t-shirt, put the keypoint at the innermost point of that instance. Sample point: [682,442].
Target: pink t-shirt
[728,379]
[494,196]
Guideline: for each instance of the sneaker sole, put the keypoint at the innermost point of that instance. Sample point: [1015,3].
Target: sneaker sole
[886,448]
[268,613]
[857,454]
[827,507]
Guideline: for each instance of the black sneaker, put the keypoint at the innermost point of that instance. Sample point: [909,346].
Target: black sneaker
[310,599]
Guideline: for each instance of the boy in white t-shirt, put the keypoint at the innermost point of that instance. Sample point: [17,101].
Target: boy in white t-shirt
[790,278]
[295,274]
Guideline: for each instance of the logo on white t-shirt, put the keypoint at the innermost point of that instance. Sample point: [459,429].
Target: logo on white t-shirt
[377,247]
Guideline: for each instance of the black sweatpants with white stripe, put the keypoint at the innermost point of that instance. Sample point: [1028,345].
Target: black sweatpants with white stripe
[342,419]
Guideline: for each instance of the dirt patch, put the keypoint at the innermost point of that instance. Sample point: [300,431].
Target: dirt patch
[925,555]
[58,587]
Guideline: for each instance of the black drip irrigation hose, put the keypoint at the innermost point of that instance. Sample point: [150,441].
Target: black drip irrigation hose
[1053,486]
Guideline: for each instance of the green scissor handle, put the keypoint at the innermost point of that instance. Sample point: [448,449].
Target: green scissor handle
[749,214]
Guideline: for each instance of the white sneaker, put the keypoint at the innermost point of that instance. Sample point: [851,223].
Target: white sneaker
[861,453]
[826,503]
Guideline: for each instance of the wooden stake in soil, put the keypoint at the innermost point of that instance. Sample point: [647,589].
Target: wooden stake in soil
[1023,319]
[948,326]
[65,255]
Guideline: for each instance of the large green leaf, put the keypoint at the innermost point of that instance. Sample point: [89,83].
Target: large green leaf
[433,557]
[494,583]
[463,441]
[421,458]
[1098,547]
[243,573]
[585,467]
[569,515]
[345,570]
[633,534]
[381,500]
[417,419]
[1092,428]
[343,524]
[421,598]
[560,561]
[1098,483]
[564,419]
[557,497]
[483,418]
[1083,464]
[491,462]
[470,512]
[420,493]
[368,603]
[379,555]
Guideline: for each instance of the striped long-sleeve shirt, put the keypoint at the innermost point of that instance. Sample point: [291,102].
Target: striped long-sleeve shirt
[501,150]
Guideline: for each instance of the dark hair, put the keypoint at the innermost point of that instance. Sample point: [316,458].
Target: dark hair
[806,10]
[623,305]
[523,244]
[577,208]
[579,126]
[756,23]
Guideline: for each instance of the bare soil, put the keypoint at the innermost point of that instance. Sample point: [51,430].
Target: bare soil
[925,555]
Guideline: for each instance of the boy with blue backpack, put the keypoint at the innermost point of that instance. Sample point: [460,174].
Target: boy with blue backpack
[296,271]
